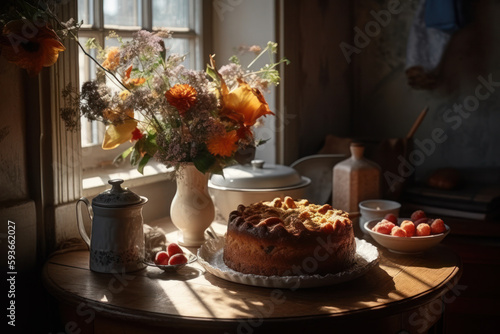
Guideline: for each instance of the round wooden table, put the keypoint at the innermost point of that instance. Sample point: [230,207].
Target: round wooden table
[403,293]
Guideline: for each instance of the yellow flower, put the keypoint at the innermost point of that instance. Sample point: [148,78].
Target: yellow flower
[182,97]
[124,94]
[224,145]
[117,134]
[112,60]
[31,51]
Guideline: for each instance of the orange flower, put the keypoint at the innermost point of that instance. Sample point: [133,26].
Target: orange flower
[30,47]
[132,82]
[224,145]
[245,104]
[112,60]
[183,97]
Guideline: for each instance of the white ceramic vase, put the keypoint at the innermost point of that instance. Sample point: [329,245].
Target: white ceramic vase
[192,210]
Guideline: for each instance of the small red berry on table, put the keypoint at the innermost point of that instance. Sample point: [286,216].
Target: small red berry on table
[177,259]
[173,249]
[161,258]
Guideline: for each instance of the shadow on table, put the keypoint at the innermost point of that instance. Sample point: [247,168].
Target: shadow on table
[185,274]
[362,292]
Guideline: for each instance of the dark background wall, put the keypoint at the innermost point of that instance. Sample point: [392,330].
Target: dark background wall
[369,97]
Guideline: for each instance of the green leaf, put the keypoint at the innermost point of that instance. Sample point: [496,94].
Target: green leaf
[204,161]
[234,59]
[216,169]
[144,161]
[91,43]
[261,142]
[121,157]
[149,144]
[135,157]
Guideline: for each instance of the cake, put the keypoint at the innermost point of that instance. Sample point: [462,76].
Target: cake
[285,237]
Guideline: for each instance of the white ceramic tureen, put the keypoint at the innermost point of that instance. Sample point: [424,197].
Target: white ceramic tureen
[247,184]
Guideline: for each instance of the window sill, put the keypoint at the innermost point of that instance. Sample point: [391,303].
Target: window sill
[95,180]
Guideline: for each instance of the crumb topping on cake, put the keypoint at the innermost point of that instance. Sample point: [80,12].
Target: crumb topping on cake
[294,216]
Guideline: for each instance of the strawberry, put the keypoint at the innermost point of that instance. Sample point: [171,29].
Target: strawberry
[398,232]
[409,227]
[437,226]
[416,215]
[392,218]
[424,220]
[383,227]
[423,229]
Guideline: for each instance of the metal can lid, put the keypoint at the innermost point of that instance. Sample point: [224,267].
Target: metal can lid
[116,196]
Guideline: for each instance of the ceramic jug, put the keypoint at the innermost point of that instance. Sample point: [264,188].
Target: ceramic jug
[117,239]
[354,180]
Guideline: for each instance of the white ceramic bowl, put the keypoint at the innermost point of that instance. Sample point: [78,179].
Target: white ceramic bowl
[404,245]
[376,208]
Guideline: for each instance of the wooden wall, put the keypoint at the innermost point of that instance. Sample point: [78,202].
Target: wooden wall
[367,95]
[317,83]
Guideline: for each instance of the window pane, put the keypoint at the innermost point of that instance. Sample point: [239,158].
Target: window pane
[124,17]
[180,46]
[122,12]
[91,132]
[87,68]
[85,11]
[171,13]
[108,42]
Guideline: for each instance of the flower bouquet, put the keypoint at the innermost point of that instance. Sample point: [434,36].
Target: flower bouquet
[173,114]
[145,95]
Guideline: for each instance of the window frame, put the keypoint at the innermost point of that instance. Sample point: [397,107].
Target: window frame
[95,157]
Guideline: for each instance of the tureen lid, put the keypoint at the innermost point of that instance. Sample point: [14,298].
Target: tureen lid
[257,175]
[116,196]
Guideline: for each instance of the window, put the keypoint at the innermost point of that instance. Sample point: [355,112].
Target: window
[182,17]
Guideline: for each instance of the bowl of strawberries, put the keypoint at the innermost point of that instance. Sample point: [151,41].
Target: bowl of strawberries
[407,235]
[171,259]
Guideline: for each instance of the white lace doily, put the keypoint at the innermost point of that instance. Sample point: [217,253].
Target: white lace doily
[210,257]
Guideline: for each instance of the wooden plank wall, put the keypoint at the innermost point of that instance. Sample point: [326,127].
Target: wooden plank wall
[317,98]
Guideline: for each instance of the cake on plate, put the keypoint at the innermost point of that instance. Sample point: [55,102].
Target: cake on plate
[285,237]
